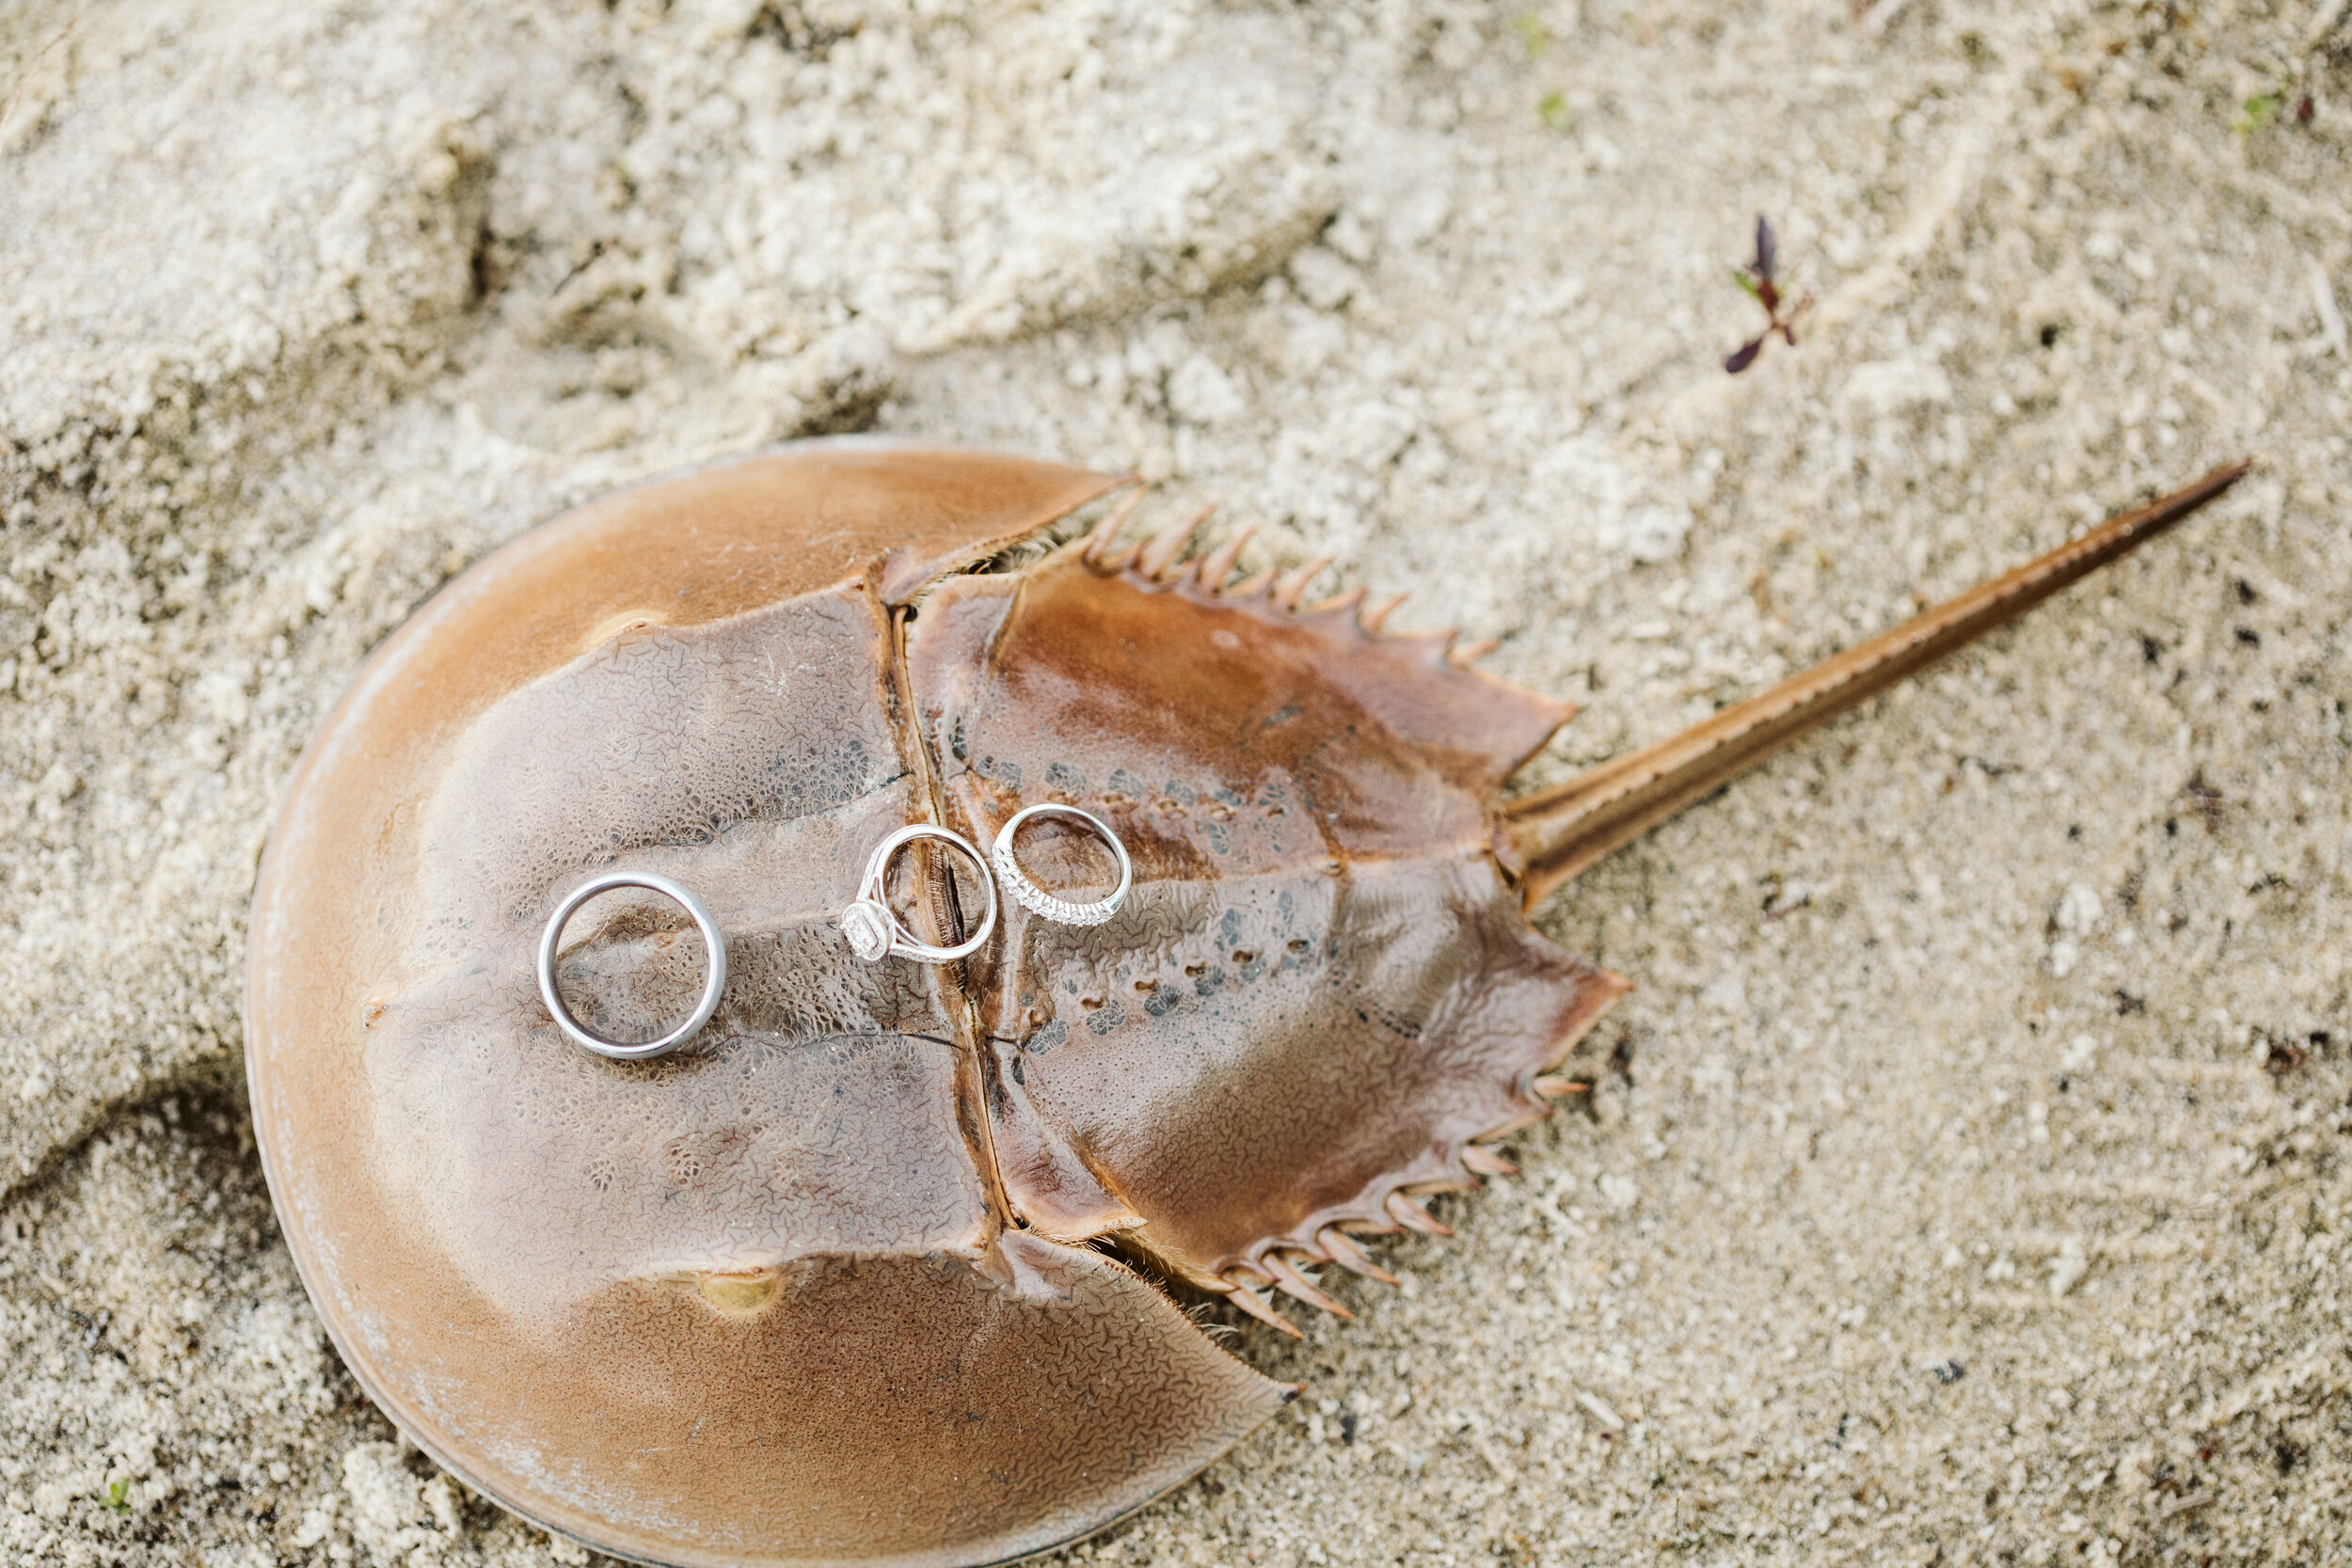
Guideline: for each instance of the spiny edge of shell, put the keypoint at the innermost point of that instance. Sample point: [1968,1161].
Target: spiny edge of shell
[1278,1264]
[1160,564]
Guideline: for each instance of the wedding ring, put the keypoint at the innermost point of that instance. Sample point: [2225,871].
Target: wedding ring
[1036,899]
[713,944]
[874,931]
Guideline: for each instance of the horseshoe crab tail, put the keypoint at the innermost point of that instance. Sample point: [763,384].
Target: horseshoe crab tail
[1552,836]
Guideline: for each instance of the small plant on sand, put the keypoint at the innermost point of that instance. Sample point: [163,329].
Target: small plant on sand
[1757,281]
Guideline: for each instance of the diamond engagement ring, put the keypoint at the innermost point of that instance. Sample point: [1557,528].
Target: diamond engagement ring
[1037,900]
[874,931]
[714,947]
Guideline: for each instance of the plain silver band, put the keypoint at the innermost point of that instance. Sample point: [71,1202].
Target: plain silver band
[713,944]
[1036,899]
[874,890]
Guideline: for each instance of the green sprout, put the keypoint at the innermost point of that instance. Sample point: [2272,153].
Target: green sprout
[2256,113]
[1554,111]
[119,1496]
[1533,34]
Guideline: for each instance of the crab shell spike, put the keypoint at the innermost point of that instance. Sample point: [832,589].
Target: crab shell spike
[1345,1252]
[1218,564]
[1162,552]
[1552,1088]
[1412,1217]
[1250,586]
[1248,1299]
[1291,1282]
[1486,1161]
[1337,604]
[1377,614]
[1288,589]
[1470,653]
[1096,549]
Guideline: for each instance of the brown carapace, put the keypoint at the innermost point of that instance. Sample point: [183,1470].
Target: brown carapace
[887,1265]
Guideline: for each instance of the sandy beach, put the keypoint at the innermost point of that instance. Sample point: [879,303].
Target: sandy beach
[1964,1179]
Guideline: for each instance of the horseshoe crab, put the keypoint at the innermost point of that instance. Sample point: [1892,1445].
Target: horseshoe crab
[885,1267]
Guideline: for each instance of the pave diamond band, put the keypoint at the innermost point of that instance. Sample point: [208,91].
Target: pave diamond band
[874,932]
[1036,899]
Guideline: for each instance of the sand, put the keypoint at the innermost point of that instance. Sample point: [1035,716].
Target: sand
[1964,1181]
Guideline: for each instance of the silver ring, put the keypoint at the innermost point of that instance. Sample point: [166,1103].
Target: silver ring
[874,931]
[713,944]
[1036,899]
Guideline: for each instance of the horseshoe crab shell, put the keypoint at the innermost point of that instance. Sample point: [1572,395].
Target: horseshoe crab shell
[871,1272]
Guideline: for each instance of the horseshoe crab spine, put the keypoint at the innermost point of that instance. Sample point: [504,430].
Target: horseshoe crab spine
[1552,836]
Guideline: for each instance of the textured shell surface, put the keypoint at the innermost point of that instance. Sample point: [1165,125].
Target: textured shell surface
[886,1265]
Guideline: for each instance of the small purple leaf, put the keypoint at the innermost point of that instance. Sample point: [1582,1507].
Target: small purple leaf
[1745,355]
[1767,253]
